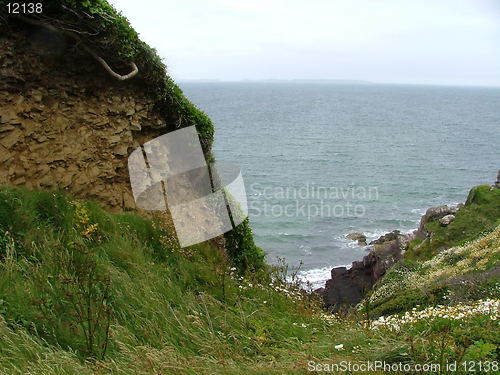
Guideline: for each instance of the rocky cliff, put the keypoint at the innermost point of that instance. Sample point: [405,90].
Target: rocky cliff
[79,91]
[347,287]
[65,123]
[436,232]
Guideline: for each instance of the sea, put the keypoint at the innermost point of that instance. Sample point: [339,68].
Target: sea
[323,159]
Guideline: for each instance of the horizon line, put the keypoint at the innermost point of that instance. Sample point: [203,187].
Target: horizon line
[327,80]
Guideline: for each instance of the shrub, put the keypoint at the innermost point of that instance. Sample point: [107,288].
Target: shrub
[241,248]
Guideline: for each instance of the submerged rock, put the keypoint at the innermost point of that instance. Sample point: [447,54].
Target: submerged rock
[357,236]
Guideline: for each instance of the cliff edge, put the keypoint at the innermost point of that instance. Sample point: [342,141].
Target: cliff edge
[68,118]
[440,228]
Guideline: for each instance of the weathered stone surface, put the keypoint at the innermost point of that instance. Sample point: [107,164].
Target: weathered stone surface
[348,286]
[6,128]
[342,289]
[357,236]
[386,237]
[433,213]
[9,139]
[446,220]
[9,116]
[121,150]
[65,124]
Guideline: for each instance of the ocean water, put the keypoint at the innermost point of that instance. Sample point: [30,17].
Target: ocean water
[321,160]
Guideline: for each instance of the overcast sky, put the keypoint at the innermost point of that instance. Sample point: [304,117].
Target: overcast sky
[402,41]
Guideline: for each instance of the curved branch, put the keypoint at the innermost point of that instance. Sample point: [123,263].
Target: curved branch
[76,38]
[105,65]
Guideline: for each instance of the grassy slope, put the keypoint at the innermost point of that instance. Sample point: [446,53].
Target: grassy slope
[480,214]
[458,274]
[171,310]
[430,275]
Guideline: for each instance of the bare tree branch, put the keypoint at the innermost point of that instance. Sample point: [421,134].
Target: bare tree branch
[105,65]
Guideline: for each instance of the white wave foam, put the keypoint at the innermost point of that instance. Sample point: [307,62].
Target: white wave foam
[420,211]
[306,249]
[317,276]
[373,235]
[346,242]
[376,234]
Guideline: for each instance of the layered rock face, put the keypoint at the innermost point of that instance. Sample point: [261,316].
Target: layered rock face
[347,287]
[64,123]
[435,213]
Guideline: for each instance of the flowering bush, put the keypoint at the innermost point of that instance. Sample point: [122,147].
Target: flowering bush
[489,308]
[87,229]
[436,280]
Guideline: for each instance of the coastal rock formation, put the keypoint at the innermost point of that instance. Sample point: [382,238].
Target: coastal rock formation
[65,124]
[72,110]
[391,236]
[357,236]
[446,220]
[348,286]
[433,213]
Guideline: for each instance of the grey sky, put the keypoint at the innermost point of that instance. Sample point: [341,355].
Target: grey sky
[401,41]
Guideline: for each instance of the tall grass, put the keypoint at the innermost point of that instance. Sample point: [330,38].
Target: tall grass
[84,291]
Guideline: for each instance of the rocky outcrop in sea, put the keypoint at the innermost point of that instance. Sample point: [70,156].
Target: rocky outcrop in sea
[348,285]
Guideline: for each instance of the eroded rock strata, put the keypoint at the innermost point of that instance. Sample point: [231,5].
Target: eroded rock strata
[348,286]
[64,123]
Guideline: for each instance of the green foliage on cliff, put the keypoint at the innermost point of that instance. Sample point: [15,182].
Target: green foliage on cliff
[456,263]
[480,214]
[100,27]
[241,248]
[456,275]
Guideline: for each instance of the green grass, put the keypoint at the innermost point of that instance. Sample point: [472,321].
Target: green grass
[70,271]
[459,274]
[479,215]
